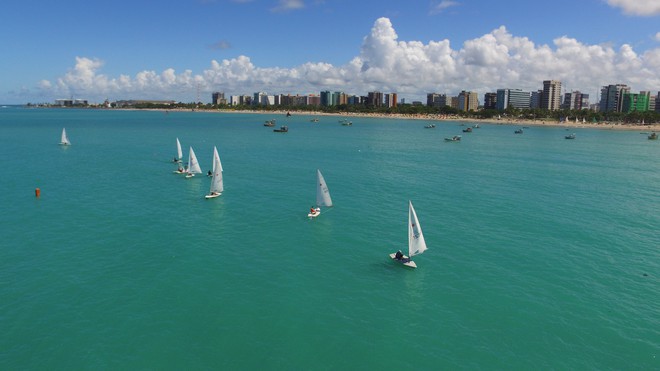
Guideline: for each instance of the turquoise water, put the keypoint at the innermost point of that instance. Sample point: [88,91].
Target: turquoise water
[543,252]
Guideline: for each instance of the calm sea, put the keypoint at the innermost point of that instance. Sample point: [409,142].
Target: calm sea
[543,252]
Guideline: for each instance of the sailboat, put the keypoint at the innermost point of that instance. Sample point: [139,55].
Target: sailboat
[322,196]
[216,182]
[193,165]
[416,242]
[179,154]
[65,140]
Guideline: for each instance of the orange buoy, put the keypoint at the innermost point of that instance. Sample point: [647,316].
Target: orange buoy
[37,192]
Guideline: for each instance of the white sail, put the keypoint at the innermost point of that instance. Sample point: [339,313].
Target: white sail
[65,139]
[179,153]
[215,155]
[416,242]
[216,182]
[322,192]
[193,164]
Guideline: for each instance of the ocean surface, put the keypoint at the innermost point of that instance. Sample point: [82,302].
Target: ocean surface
[544,253]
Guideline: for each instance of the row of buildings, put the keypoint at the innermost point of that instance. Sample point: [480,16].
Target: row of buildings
[325,98]
[614,98]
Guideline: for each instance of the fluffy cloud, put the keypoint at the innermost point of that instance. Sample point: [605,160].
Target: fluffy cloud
[657,36]
[637,7]
[410,68]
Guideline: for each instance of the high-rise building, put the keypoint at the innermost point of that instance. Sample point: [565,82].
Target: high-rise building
[634,102]
[436,100]
[490,100]
[502,99]
[657,102]
[375,99]
[515,98]
[218,98]
[551,98]
[326,98]
[237,100]
[575,101]
[519,99]
[354,99]
[611,97]
[454,102]
[314,100]
[650,98]
[468,101]
[535,99]
[390,100]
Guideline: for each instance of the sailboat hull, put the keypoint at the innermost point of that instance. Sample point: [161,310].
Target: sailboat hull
[405,261]
[314,215]
[212,196]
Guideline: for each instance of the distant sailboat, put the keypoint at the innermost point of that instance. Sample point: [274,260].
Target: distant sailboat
[65,140]
[416,242]
[217,185]
[322,196]
[193,165]
[179,154]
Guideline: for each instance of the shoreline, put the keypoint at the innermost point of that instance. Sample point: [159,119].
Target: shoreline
[447,118]
[437,118]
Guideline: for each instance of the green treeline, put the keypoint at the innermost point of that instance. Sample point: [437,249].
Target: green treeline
[647,117]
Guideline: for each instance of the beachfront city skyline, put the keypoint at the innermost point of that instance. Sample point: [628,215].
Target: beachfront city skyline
[182,51]
[613,98]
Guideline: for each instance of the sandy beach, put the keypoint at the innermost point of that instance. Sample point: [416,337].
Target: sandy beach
[441,118]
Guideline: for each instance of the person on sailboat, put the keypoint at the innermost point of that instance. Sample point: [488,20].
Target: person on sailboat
[312,210]
[399,255]
[210,173]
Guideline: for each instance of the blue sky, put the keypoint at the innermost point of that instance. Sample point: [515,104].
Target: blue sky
[169,49]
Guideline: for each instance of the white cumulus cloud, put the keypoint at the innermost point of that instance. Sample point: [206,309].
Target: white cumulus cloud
[637,7]
[412,69]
